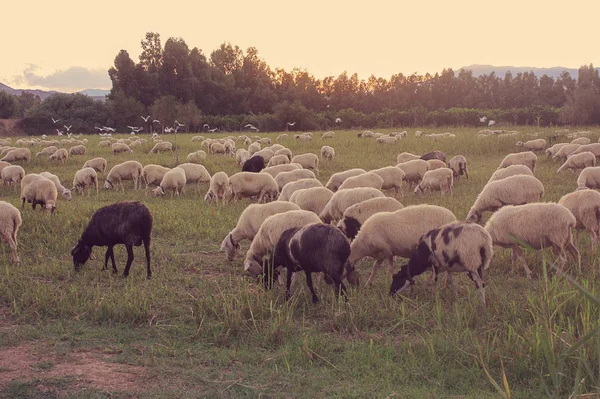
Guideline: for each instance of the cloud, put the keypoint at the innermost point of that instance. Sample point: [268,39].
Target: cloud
[74,78]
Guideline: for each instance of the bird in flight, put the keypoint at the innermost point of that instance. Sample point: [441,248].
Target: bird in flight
[291,123]
[146,118]
[55,121]
[68,127]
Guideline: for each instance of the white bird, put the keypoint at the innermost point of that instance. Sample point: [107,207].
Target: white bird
[206,126]
[338,120]
[59,132]
[99,128]
[146,118]
[55,121]
[491,122]
[214,130]
[156,121]
[249,125]
[109,129]
[168,129]
[179,124]
[68,127]
[483,119]
[291,123]
[44,136]
[154,135]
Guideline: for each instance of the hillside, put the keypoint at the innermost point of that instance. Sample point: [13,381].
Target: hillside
[500,71]
[98,94]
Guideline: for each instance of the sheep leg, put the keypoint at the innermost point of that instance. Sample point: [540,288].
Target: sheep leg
[340,288]
[309,282]
[376,265]
[147,249]
[110,254]
[12,243]
[517,254]
[478,279]
[288,287]
[576,255]
[129,260]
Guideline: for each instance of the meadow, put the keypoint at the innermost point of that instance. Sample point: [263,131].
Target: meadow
[201,328]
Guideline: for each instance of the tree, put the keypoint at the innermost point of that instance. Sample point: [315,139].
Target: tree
[123,76]
[175,75]
[165,110]
[125,111]
[189,115]
[227,58]
[27,101]
[152,53]
[9,105]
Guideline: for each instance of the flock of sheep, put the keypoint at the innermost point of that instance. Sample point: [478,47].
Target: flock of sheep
[299,224]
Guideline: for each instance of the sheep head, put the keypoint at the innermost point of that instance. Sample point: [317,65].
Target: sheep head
[473,216]
[108,184]
[417,264]
[253,267]
[229,247]
[81,253]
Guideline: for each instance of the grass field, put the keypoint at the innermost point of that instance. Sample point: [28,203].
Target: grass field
[201,328]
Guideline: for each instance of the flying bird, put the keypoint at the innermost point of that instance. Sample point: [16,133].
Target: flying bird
[59,132]
[156,121]
[146,118]
[55,121]
[206,126]
[291,123]
[109,129]
[214,130]
[168,129]
[483,119]
[338,120]
[491,122]
[68,127]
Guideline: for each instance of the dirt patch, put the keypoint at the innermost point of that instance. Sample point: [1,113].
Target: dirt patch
[10,127]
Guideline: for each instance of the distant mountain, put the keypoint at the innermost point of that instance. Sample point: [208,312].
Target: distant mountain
[97,94]
[500,71]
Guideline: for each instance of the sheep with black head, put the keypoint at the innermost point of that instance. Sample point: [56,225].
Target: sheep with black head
[255,164]
[128,223]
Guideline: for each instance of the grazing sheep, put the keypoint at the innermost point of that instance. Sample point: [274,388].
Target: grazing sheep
[218,189]
[284,178]
[308,161]
[265,153]
[512,190]
[250,221]
[269,233]
[585,206]
[163,146]
[282,137]
[77,150]
[153,174]
[173,180]
[47,151]
[241,156]
[554,149]
[455,247]
[85,177]
[303,137]
[578,161]
[388,234]
[255,164]
[65,192]
[39,191]
[458,164]
[118,148]
[434,155]
[291,187]
[18,154]
[3,164]
[265,140]
[520,158]
[277,147]
[196,157]
[327,152]
[312,199]
[275,170]
[98,164]
[368,179]
[60,155]
[405,157]
[439,179]
[537,225]
[284,151]
[414,170]
[128,170]
[197,138]
[12,174]
[229,147]
[217,148]
[511,170]
[278,160]
[105,143]
[10,221]
[328,135]
[589,177]
[581,140]
[248,184]
[564,151]
[436,164]
[343,199]
[386,140]
[594,148]
[128,223]
[392,178]
[254,147]
[336,180]
[357,214]
[532,145]
[195,173]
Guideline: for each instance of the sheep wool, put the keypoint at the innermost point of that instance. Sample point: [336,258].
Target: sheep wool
[85,177]
[589,177]
[343,199]
[40,191]
[510,171]
[10,221]
[438,179]
[578,161]
[128,170]
[336,180]
[357,214]
[368,179]
[312,199]
[520,158]
[585,206]
[290,188]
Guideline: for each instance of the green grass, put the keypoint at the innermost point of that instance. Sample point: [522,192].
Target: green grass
[201,328]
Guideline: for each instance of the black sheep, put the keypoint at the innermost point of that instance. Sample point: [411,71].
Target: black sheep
[434,155]
[128,223]
[254,164]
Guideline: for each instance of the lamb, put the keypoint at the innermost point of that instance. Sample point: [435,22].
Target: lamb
[129,170]
[554,149]
[312,199]
[520,158]
[85,177]
[364,180]
[510,171]
[248,184]
[18,154]
[414,170]
[118,148]
[439,179]
[585,206]
[60,155]
[434,155]
[10,221]
[328,135]
[308,161]
[388,234]
[98,164]
[357,214]
[458,164]
[532,145]
[578,161]
[327,152]
[265,153]
[153,174]
[255,164]
[128,223]
[285,151]
[284,178]
[196,157]
[275,170]
[12,174]
[565,151]
[436,164]
[278,160]
[405,157]
[269,233]
[455,247]
[392,178]
[513,190]
[589,177]
[218,189]
[581,140]
[40,191]
[254,147]
[163,146]
[77,150]
[290,188]
[65,192]
[538,225]
[195,173]
[173,180]
[249,223]
[343,199]
[336,180]
[47,151]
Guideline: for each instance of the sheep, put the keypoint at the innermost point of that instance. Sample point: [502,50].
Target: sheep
[328,135]
[510,171]
[537,225]
[277,147]
[248,184]
[585,206]
[118,148]
[532,145]
[392,178]
[357,214]
[98,164]
[589,177]
[241,156]
[275,170]
[512,190]
[282,137]
[255,164]
[284,178]
[250,221]
[278,160]
[173,180]
[455,247]
[436,164]
[18,154]
[564,151]
[368,179]
[3,164]
[128,223]
[12,174]
[405,157]
[343,199]
[284,151]
[39,191]
[434,155]
[265,140]
[520,158]
[554,149]
[65,192]
[458,164]
[594,148]
[327,152]
[197,138]
[163,146]
[578,161]
[196,157]
[10,221]
[47,151]
[336,180]
[105,143]
[291,187]
[308,161]
[581,140]
[218,188]
[153,174]
[269,233]
[85,177]
[195,173]
[217,148]
[265,153]
[386,140]
[60,155]
[254,147]
[77,150]
[128,170]
[303,137]
[414,170]
[388,234]
[438,179]
[312,199]
[229,147]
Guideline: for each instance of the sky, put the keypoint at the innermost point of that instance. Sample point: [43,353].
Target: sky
[68,45]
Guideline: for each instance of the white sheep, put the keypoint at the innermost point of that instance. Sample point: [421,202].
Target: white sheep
[174,180]
[254,147]
[229,147]
[248,184]
[388,234]
[392,178]
[65,192]
[585,206]
[265,153]
[441,179]
[40,191]
[589,177]
[328,135]
[527,158]
[308,161]
[284,178]
[594,148]
[128,170]
[105,143]
[249,223]
[312,199]
[336,180]
[12,174]
[153,174]
[218,188]
[436,164]
[197,138]
[195,173]
[554,149]
[265,140]
[275,170]
[578,161]
[217,148]
[343,199]
[47,151]
[241,156]
[276,147]
[77,150]
[357,214]
[278,160]
[18,154]
[3,164]
[291,187]
[537,225]
[512,190]
[60,155]
[386,140]
[10,221]
[414,170]
[532,145]
[163,146]
[118,148]
[564,151]
[284,151]
[581,140]
[86,177]
[511,170]
[458,164]
[368,179]
[98,164]
[406,156]
[269,233]
[196,157]
[327,152]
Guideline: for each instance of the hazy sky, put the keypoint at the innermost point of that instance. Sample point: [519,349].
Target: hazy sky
[69,45]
